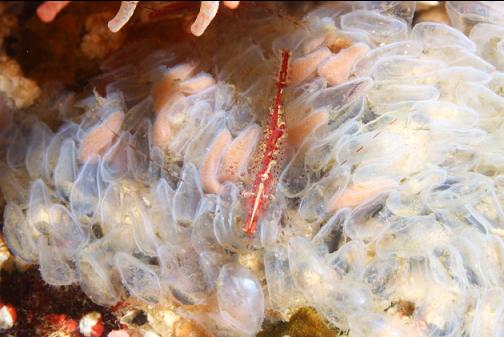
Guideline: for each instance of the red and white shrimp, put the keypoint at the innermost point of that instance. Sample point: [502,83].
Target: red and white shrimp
[270,147]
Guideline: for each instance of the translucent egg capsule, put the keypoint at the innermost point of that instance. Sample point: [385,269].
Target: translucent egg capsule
[181,273]
[330,233]
[464,15]
[114,165]
[317,201]
[16,152]
[65,233]
[320,284]
[382,29]
[65,171]
[187,196]
[240,298]
[54,148]
[86,192]
[40,138]
[438,35]
[19,235]
[138,152]
[97,276]
[295,179]
[411,48]
[488,320]
[53,267]
[138,278]
[160,214]
[38,207]
[228,220]
[282,292]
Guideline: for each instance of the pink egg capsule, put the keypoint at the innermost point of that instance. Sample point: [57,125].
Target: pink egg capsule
[299,132]
[100,137]
[208,171]
[304,67]
[355,194]
[196,84]
[337,68]
[162,131]
[164,93]
[237,156]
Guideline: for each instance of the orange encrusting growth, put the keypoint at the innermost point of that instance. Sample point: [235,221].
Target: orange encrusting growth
[274,132]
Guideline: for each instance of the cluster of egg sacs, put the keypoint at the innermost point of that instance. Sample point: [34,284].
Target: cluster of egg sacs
[391,193]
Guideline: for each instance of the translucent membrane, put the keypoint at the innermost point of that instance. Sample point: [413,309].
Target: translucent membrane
[385,211]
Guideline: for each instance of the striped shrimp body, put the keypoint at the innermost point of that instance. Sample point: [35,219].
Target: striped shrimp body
[271,148]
